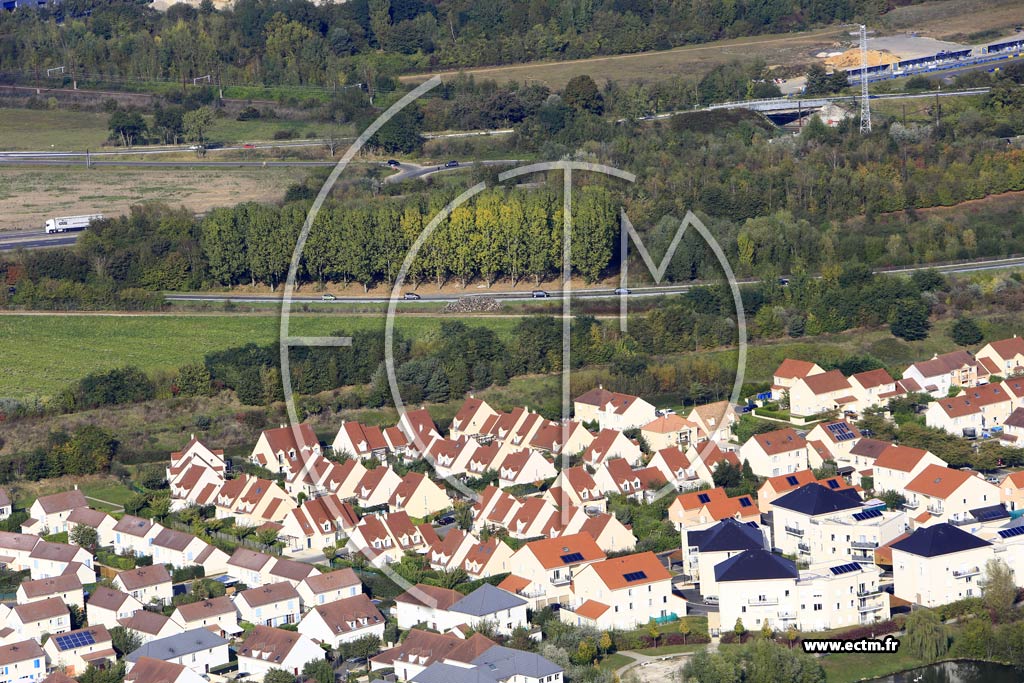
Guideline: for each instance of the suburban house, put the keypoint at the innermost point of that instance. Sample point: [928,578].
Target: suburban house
[939,564]
[49,514]
[936,376]
[501,664]
[641,485]
[319,589]
[67,587]
[269,648]
[442,609]
[974,410]
[608,444]
[180,549]
[773,487]
[135,535]
[215,614]
[524,466]
[250,567]
[342,478]
[1011,491]
[421,649]
[107,606]
[676,467]
[419,429]
[360,441]
[199,650]
[773,453]
[22,662]
[839,437]
[612,410]
[1004,357]
[714,420]
[543,570]
[470,419]
[897,466]
[343,621]
[100,521]
[148,585]
[557,438]
[269,605]
[427,605]
[286,448]
[701,509]
[252,501]
[874,388]
[74,651]
[487,558]
[34,619]
[621,593]
[150,670]
[418,496]
[318,522]
[576,486]
[787,374]
[703,549]
[150,625]
[669,431]
[820,393]
[53,559]
[943,494]
[377,486]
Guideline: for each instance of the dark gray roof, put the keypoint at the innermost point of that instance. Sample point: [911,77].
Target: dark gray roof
[439,672]
[180,644]
[869,448]
[941,539]
[487,599]
[815,499]
[504,662]
[753,565]
[729,534]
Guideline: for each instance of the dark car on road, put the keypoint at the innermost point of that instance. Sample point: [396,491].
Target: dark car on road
[540,294]
[393,163]
[411,296]
[452,164]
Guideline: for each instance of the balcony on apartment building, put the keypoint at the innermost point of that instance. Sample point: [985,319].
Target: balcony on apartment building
[912,504]
[561,580]
[864,545]
[804,547]
[865,591]
[794,531]
[964,573]
[935,509]
[869,606]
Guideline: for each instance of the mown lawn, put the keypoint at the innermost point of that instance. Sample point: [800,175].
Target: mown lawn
[672,649]
[42,354]
[111,492]
[614,661]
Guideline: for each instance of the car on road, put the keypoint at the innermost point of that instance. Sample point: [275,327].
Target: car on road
[328,297]
[248,145]
[623,290]
[411,296]
[540,294]
[193,147]
[452,164]
[444,521]
[393,163]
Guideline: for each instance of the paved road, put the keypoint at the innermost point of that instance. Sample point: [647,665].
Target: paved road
[35,240]
[589,293]
[409,171]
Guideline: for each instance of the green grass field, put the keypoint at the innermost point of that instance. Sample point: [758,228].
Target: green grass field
[44,353]
[614,661]
[847,668]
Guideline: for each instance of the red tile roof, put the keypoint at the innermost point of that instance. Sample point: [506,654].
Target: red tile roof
[794,369]
[938,481]
[551,552]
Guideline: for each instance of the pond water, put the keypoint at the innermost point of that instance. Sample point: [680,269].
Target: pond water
[957,672]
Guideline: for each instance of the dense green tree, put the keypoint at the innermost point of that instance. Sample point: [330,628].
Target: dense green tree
[966,332]
[911,321]
[926,636]
[581,93]
[1000,589]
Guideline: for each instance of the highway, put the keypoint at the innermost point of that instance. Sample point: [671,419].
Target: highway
[10,241]
[585,293]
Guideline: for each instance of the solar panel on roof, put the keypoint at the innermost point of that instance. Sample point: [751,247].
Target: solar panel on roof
[745,502]
[752,524]
[985,514]
[634,576]
[69,641]
[833,484]
[703,497]
[845,568]
[841,431]
[1010,533]
[791,480]
[867,514]
[572,557]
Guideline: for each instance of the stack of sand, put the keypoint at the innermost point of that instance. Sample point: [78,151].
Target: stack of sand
[851,59]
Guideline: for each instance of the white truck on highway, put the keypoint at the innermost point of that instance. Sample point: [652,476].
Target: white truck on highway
[71,223]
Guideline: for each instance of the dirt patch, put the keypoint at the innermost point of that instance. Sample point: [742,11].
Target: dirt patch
[29,196]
